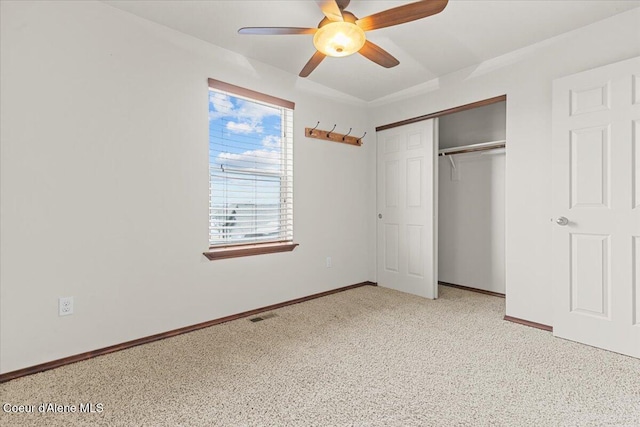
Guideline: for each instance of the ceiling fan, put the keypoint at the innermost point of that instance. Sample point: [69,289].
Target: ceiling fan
[341,33]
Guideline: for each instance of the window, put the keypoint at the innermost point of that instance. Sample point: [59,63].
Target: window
[250,172]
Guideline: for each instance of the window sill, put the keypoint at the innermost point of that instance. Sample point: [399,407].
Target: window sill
[214,254]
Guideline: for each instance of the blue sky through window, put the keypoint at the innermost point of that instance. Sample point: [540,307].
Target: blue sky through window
[245,163]
[242,125]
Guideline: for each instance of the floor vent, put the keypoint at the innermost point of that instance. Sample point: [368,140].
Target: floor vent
[263,317]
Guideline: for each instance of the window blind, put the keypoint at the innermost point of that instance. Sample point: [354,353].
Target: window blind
[250,168]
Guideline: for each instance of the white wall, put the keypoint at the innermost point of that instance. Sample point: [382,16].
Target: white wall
[104,184]
[525,77]
[482,124]
[471,220]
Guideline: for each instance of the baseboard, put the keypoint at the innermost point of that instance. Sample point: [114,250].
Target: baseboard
[117,347]
[529,323]
[507,318]
[468,288]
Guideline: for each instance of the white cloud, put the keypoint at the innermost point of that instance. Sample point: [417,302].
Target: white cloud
[255,112]
[247,115]
[267,159]
[221,103]
[244,127]
[271,141]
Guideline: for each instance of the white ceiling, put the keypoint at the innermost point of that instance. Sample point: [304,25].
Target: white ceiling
[466,33]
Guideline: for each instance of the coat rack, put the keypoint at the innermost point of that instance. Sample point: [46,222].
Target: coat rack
[330,135]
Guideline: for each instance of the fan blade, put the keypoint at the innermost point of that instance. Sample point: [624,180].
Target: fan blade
[330,9]
[378,55]
[401,14]
[312,64]
[276,30]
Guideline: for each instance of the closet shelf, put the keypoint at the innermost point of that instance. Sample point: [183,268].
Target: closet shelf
[483,146]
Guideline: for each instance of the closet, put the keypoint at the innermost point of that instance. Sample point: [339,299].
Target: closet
[471,198]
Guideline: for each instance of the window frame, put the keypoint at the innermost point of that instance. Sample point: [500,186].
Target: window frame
[249,249]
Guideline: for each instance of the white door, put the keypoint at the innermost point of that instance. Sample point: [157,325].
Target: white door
[406,238]
[596,207]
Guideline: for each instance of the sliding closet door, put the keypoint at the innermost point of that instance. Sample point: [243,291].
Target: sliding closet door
[406,238]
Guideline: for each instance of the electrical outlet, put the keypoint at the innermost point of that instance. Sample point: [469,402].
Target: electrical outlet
[329,265]
[65,306]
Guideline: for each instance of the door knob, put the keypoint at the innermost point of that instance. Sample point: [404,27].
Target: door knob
[380,216]
[562,221]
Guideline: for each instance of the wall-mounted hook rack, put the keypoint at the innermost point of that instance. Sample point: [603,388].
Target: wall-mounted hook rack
[332,136]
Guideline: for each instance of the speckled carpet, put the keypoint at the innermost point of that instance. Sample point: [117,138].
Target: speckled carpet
[364,357]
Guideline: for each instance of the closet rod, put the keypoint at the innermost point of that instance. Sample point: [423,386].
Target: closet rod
[472,148]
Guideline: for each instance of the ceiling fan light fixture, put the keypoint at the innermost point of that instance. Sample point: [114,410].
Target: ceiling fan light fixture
[339,39]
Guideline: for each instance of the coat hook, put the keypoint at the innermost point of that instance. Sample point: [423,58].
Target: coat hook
[329,133]
[311,130]
[360,139]
[347,134]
